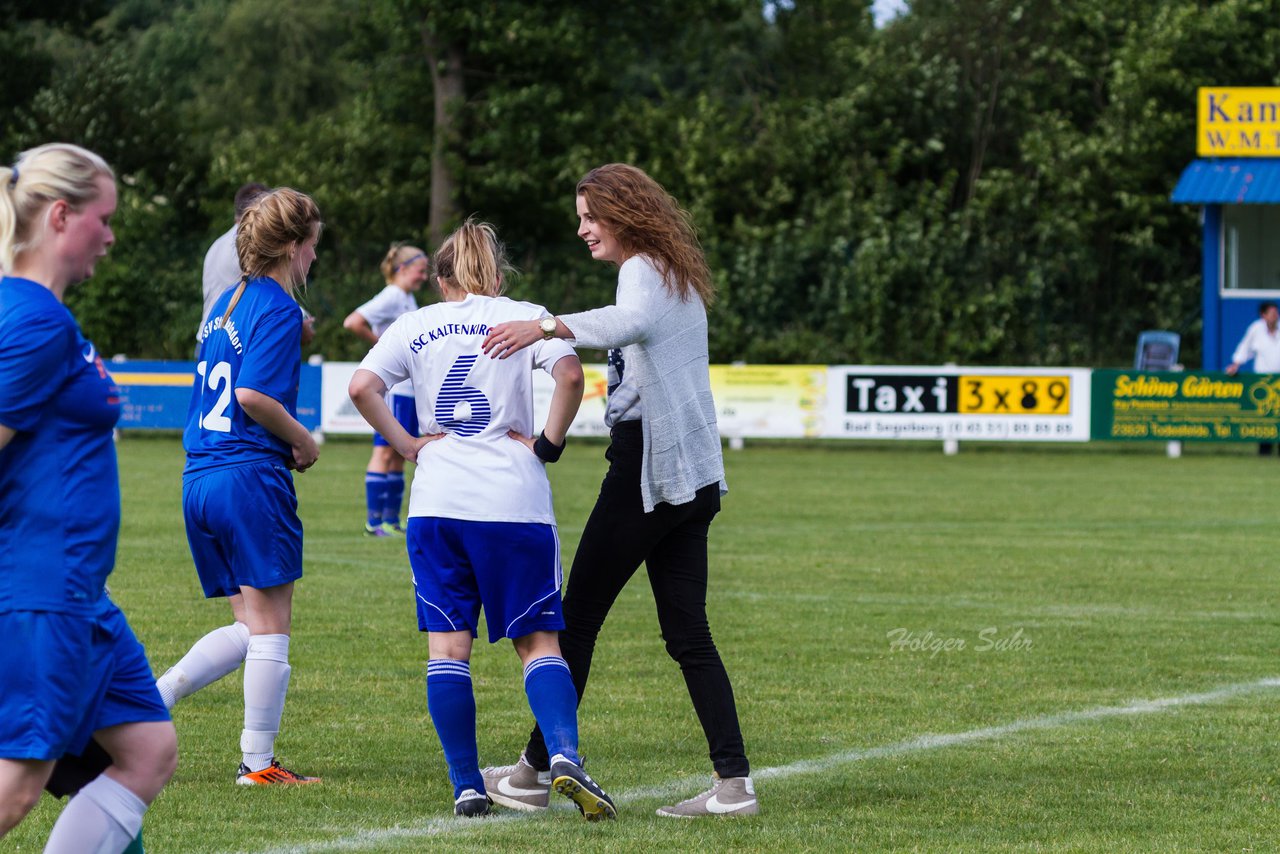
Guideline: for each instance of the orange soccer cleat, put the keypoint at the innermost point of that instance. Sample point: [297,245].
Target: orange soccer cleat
[274,774]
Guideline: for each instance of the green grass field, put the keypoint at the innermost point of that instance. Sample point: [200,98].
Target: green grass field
[1083,583]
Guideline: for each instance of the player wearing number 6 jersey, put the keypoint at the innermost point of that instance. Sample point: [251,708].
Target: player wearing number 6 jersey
[242,438]
[481,525]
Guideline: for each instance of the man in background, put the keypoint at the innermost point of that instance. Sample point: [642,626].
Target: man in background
[222,264]
[1261,342]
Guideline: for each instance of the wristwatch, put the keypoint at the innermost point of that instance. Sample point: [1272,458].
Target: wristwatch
[548,327]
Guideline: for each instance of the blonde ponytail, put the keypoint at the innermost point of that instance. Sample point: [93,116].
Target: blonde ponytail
[472,259]
[397,257]
[270,226]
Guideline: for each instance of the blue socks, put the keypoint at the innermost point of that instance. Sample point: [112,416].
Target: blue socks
[394,497]
[452,705]
[375,495]
[554,702]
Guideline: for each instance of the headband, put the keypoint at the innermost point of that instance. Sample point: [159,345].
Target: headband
[407,262]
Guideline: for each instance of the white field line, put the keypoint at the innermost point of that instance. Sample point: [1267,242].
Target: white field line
[450,826]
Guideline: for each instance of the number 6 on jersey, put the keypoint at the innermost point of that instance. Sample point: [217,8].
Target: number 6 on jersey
[462,409]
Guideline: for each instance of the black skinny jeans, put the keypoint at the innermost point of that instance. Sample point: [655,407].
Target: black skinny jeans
[672,542]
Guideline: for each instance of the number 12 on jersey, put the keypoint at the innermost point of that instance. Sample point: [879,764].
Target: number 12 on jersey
[218,381]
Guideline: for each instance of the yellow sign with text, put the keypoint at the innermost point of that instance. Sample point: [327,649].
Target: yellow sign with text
[1238,122]
[1009,394]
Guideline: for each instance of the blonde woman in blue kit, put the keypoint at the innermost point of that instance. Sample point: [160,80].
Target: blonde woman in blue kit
[71,669]
[243,442]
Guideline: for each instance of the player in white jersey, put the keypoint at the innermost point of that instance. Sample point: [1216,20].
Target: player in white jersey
[404,269]
[481,526]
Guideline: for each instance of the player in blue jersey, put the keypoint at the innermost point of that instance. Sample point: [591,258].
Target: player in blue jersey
[70,668]
[482,530]
[242,439]
[404,269]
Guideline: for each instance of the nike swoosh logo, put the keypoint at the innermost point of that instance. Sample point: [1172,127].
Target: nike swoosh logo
[505,788]
[714,806]
[91,355]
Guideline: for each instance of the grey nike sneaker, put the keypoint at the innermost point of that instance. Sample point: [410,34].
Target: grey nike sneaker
[519,786]
[728,796]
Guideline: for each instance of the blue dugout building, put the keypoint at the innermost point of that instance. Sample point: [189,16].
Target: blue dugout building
[1237,180]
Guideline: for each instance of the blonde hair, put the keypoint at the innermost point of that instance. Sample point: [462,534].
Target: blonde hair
[269,230]
[397,256]
[474,260]
[56,171]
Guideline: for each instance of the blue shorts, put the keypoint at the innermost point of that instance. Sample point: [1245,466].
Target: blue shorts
[243,528]
[405,410]
[512,568]
[63,677]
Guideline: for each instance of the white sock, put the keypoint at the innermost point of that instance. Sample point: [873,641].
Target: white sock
[213,656]
[266,679]
[103,818]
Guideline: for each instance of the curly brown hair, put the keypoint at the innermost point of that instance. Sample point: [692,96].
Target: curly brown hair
[647,220]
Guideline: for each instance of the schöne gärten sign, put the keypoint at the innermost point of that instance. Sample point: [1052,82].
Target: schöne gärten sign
[1196,406]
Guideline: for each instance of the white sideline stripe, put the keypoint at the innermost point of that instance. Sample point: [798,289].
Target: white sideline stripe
[439,826]
[369,838]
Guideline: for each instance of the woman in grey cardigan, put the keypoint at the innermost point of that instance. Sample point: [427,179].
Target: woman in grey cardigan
[666,473]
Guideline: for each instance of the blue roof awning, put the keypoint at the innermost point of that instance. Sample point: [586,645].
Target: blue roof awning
[1230,181]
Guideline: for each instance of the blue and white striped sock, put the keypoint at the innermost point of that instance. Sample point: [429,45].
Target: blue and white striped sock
[554,702]
[452,705]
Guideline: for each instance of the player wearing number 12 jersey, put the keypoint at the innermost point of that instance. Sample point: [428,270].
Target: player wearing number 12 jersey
[242,438]
[481,526]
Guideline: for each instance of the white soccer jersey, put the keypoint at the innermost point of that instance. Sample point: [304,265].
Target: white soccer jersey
[381,312]
[477,471]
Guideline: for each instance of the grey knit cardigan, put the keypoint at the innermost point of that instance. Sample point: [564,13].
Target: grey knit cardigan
[664,343]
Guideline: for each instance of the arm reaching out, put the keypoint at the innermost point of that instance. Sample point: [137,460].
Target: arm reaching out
[513,336]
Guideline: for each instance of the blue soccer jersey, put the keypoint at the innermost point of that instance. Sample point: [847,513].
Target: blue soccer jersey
[59,486]
[257,348]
